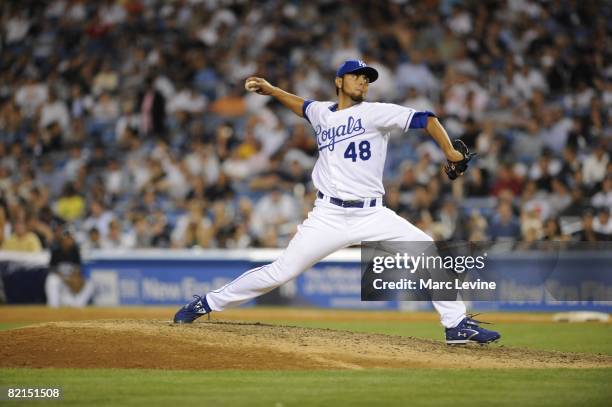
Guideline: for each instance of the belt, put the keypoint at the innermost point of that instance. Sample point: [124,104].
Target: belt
[370,202]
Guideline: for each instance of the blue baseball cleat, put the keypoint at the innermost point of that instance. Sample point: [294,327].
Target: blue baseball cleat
[192,311]
[469,330]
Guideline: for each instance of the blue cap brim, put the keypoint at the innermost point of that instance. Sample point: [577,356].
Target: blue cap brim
[370,72]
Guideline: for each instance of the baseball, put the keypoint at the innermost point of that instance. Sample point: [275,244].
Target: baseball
[251,85]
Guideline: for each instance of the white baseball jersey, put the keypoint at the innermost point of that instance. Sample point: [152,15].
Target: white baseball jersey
[352,146]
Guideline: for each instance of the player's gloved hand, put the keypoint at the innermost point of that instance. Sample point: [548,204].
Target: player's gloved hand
[455,168]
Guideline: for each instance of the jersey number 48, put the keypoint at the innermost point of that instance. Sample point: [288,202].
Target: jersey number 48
[364,151]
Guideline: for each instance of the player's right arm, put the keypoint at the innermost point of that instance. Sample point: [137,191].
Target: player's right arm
[263,87]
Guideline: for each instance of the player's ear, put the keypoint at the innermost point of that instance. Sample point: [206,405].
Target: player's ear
[338,82]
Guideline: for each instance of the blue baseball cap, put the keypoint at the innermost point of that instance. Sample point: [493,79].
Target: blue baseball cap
[355,65]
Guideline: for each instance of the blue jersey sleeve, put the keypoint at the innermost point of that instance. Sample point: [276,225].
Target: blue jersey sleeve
[419,119]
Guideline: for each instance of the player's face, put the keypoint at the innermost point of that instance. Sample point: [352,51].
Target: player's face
[355,86]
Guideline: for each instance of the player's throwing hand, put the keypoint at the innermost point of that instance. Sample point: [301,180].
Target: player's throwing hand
[258,85]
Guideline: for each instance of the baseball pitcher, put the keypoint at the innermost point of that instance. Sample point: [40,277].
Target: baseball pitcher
[352,137]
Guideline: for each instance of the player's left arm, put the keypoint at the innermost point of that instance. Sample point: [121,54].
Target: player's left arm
[438,133]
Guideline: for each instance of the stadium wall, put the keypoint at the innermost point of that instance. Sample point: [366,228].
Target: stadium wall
[163,277]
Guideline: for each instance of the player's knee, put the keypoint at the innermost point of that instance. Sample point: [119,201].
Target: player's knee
[282,272]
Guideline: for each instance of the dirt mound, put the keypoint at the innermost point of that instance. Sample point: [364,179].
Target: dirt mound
[252,346]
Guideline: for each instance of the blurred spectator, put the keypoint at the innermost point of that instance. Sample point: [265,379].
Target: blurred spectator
[528,144]
[544,170]
[65,284]
[504,225]
[187,101]
[106,80]
[407,183]
[22,239]
[40,228]
[240,238]
[17,26]
[560,197]
[276,211]
[276,176]
[30,96]
[552,231]
[152,108]
[415,74]
[416,100]
[98,217]
[393,201]
[193,229]
[80,104]
[160,229]
[531,226]
[115,238]
[425,169]
[587,233]
[93,240]
[603,198]
[54,110]
[106,109]
[71,205]
[477,227]
[421,203]
[115,181]
[222,189]
[506,179]
[595,166]
[571,164]
[536,200]
[449,221]
[476,182]
[527,79]
[223,224]
[202,161]
[602,225]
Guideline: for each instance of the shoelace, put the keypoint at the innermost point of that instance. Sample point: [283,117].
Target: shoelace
[471,319]
[199,298]
[195,297]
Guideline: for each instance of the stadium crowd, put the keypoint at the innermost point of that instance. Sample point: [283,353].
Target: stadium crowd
[126,121]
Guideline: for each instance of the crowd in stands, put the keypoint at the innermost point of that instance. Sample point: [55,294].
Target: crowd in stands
[126,121]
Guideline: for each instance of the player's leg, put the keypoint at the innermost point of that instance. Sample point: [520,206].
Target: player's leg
[385,225]
[53,288]
[382,224]
[321,234]
[82,298]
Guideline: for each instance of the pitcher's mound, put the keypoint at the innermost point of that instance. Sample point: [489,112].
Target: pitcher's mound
[252,346]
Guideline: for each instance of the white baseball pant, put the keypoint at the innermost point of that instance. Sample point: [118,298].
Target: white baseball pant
[327,229]
[60,295]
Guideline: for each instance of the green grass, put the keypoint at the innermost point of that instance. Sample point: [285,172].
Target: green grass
[422,387]
[414,387]
[585,337]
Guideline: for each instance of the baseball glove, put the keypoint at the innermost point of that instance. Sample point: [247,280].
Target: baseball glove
[455,168]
